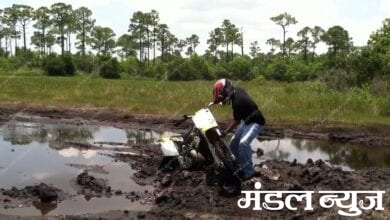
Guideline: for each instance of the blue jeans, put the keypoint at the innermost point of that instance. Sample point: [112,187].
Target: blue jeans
[241,146]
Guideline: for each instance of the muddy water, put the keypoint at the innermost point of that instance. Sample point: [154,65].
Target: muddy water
[32,153]
[347,156]
[35,153]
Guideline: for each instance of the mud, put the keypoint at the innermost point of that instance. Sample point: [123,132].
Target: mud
[14,197]
[92,186]
[185,194]
[369,134]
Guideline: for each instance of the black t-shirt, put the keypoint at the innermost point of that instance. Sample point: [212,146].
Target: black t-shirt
[244,108]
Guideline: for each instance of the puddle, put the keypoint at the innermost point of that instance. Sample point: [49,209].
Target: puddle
[78,206]
[34,153]
[348,157]
[42,156]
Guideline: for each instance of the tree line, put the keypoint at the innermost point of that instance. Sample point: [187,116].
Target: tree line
[150,49]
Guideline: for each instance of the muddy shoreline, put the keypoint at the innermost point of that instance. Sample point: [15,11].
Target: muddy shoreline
[355,134]
[186,195]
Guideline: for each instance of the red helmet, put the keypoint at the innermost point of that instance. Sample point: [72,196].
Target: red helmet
[223,90]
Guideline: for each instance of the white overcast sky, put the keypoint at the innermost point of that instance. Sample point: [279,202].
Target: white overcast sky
[185,17]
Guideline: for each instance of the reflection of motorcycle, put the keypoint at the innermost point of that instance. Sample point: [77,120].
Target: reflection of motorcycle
[202,147]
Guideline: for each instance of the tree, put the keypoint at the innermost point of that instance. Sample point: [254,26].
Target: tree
[137,28]
[102,40]
[290,46]
[376,58]
[128,46]
[274,44]
[215,40]
[6,32]
[1,29]
[84,25]
[61,16]
[304,43]
[337,39]
[70,28]
[230,36]
[192,42]
[380,41]
[316,34]
[10,19]
[43,22]
[254,49]
[284,20]
[154,21]
[24,14]
[50,40]
[241,41]
[162,36]
[37,40]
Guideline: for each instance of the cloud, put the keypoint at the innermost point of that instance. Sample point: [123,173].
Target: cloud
[199,17]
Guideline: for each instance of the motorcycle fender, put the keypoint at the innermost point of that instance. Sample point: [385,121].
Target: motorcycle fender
[169,148]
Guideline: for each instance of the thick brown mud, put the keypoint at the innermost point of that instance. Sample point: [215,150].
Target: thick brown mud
[185,194]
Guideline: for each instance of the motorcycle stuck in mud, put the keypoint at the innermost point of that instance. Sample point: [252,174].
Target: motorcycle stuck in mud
[202,147]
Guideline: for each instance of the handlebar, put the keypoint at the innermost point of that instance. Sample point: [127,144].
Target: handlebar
[186,117]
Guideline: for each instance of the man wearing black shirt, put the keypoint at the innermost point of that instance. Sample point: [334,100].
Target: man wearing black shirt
[247,117]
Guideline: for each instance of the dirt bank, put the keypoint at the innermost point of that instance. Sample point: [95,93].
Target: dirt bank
[369,134]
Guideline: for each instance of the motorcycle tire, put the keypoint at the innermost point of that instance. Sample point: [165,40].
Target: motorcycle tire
[228,181]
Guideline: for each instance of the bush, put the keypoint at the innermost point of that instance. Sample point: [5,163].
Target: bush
[69,67]
[220,71]
[384,106]
[160,69]
[55,65]
[277,70]
[84,63]
[200,68]
[109,67]
[340,79]
[131,66]
[6,64]
[240,69]
[175,69]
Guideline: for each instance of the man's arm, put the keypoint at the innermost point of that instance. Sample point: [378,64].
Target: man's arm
[232,126]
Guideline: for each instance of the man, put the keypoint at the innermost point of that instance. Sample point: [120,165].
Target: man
[248,119]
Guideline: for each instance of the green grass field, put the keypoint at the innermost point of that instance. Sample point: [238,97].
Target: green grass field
[280,102]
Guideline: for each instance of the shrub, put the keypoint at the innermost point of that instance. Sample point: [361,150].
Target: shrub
[340,79]
[200,68]
[6,64]
[69,67]
[54,66]
[84,63]
[131,66]
[220,71]
[240,69]
[277,70]
[384,106]
[109,67]
[175,68]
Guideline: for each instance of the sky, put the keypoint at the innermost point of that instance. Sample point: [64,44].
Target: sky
[185,17]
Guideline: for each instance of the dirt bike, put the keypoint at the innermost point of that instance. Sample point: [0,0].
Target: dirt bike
[202,146]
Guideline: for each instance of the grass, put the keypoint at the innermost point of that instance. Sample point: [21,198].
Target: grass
[306,102]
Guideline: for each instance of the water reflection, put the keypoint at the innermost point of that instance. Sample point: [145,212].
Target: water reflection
[51,151]
[347,156]
[143,136]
